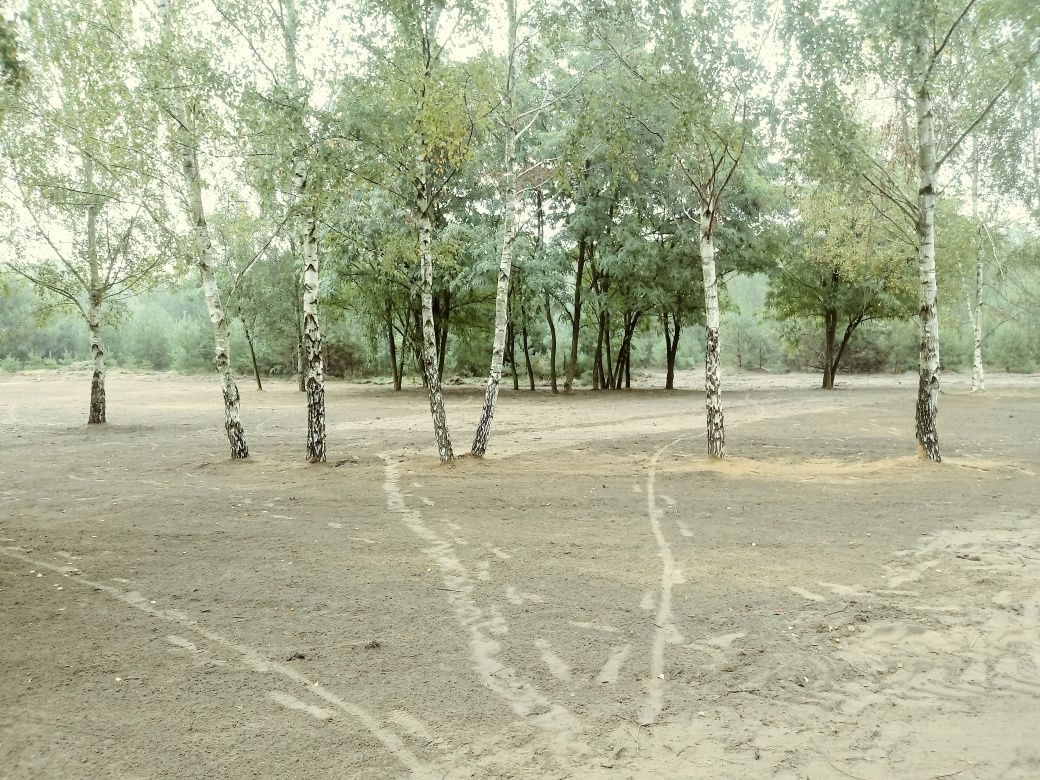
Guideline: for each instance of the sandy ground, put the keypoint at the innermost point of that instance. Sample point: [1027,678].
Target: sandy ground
[594,600]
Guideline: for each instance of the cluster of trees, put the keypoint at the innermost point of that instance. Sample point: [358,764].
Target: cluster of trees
[494,179]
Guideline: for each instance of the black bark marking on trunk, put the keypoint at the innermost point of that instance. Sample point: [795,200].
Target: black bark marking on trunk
[713,392]
[96,413]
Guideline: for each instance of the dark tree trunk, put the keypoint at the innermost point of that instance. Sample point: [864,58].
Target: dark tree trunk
[849,330]
[671,347]
[552,345]
[527,348]
[572,362]
[301,377]
[597,360]
[511,337]
[391,342]
[442,313]
[252,354]
[830,332]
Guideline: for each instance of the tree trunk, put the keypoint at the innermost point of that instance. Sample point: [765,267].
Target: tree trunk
[978,377]
[187,144]
[527,348]
[597,359]
[572,362]
[511,330]
[846,337]
[314,382]
[625,353]
[392,345]
[712,380]
[430,359]
[399,377]
[928,382]
[301,381]
[96,413]
[552,345]
[830,328]
[442,312]
[671,348]
[505,265]
[252,354]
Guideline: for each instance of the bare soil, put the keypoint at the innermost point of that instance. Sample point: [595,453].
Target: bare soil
[593,600]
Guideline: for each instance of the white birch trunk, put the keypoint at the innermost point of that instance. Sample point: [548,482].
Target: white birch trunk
[314,360]
[97,411]
[423,208]
[975,308]
[192,177]
[480,440]
[978,376]
[928,381]
[311,358]
[429,335]
[97,352]
[712,380]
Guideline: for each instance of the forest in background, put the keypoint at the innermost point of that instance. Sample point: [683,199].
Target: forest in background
[564,190]
[167,329]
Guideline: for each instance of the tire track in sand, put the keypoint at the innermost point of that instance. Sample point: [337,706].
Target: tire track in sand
[522,697]
[251,658]
[665,631]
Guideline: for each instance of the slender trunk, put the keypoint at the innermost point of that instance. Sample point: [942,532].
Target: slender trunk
[552,345]
[252,354]
[712,380]
[597,360]
[97,410]
[625,354]
[846,337]
[399,379]
[671,347]
[512,355]
[628,366]
[928,382]
[830,327]
[430,359]
[392,345]
[572,362]
[188,146]
[417,343]
[301,376]
[978,376]
[442,312]
[505,265]
[527,349]
[96,413]
[313,374]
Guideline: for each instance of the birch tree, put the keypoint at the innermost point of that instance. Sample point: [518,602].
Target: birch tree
[183,105]
[699,104]
[957,63]
[415,122]
[81,156]
[509,219]
[288,134]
